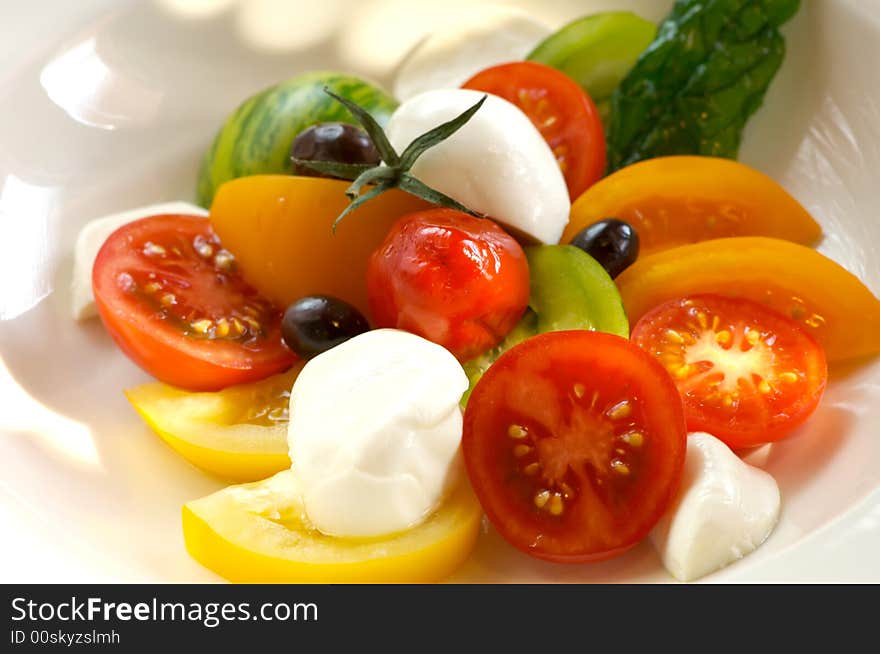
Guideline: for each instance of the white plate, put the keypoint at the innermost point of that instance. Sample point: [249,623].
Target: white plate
[106,105]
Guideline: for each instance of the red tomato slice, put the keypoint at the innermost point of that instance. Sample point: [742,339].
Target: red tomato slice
[560,109]
[746,374]
[574,442]
[171,298]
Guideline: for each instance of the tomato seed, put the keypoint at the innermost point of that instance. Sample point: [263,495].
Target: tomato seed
[153,249]
[126,282]
[620,410]
[224,260]
[202,326]
[752,336]
[723,337]
[542,498]
[674,336]
[633,438]
[683,371]
[202,247]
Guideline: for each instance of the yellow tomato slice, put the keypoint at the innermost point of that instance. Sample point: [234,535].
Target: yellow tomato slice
[255,533]
[833,305]
[239,433]
[279,227]
[685,199]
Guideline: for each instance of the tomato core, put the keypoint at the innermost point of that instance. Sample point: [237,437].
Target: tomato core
[746,374]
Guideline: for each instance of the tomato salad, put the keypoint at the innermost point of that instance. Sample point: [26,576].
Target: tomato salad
[545,293]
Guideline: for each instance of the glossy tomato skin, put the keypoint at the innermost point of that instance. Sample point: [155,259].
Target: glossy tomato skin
[574,442]
[171,299]
[562,112]
[747,374]
[454,279]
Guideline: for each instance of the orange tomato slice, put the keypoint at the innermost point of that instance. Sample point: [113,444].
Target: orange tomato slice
[798,282]
[254,533]
[677,200]
[279,227]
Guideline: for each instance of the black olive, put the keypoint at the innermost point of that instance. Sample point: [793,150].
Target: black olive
[316,323]
[611,242]
[338,142]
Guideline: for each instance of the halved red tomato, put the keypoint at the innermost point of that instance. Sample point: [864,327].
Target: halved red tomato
[171,298]
[574,442]
[746,374]
[560,109]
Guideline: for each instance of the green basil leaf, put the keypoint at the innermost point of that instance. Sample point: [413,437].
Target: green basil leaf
[694,88]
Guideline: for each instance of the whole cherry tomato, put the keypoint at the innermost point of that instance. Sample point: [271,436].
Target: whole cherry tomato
[457,280]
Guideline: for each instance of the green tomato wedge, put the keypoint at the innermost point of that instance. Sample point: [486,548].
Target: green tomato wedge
[569,290]
[597,51]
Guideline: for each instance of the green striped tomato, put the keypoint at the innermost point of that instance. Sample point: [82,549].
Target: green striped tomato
[256,138]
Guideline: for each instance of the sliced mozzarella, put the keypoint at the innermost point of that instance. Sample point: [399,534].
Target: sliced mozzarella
[92,237]
[483,36]
[497,163]
[724,510]
[374,433]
